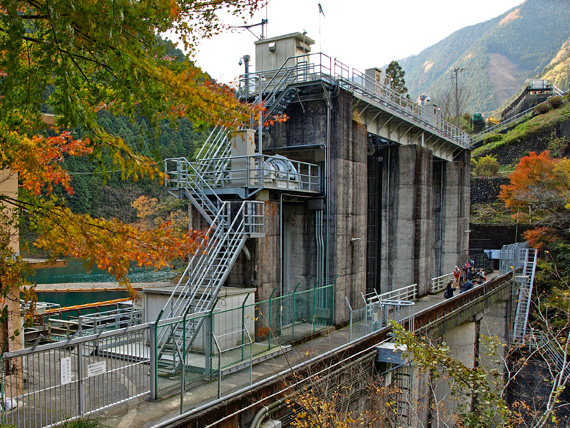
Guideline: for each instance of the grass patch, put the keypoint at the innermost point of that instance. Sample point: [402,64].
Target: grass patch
[522,131]
[492,213]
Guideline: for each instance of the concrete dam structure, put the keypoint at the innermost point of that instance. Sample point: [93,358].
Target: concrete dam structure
[358,183]
[345,204]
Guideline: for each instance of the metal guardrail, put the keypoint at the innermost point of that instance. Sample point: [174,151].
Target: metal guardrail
[380,309]
[503,125]
[407,293]
[109,320]
[321,363]
[524,115]
[439,283]
[57,382]
[462,307]
[314,67]
[543,344]
[262,171]
[45,385]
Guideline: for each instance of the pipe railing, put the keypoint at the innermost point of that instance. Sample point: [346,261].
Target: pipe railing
[262,171]
[318,66]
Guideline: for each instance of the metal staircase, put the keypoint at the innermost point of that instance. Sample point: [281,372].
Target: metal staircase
[550,350]
[231,224]
[528,257]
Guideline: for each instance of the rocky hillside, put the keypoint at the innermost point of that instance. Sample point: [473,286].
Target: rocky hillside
[496,56]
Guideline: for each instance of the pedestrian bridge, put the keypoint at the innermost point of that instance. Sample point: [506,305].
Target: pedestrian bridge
[123,358]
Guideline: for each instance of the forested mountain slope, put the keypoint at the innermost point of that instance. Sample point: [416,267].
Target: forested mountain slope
[496,56]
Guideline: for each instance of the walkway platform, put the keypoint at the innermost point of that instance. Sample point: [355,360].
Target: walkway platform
[143,414]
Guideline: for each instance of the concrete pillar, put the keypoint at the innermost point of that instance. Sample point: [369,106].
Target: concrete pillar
[348,202]
[407,218]
[11,329]
[456,207]
[462,341]
[438,200]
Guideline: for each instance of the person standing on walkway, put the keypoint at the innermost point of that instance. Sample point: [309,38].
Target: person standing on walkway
[456,276]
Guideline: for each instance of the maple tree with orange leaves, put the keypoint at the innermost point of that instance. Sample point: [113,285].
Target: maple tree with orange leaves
[542,184]
[74,58]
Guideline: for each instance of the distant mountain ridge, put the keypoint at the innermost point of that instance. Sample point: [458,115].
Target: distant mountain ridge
[497,56]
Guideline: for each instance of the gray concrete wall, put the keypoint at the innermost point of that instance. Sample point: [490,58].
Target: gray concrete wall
[348,202]
[462,341]
[346,219]
[299,244]
[407,218]
[438,209]
[456,215]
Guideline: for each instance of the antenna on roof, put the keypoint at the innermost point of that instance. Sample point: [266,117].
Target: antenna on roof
[263,23]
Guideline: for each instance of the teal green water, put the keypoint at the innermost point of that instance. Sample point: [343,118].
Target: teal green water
[77,272]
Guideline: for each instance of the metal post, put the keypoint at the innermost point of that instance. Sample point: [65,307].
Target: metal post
[350,309]
[243,323]
[153,366]
[331,300]
[219,367]
[456,71]
[246,63]
[270,307]
[260,125]
[210,335]
[293,321]
[81,385]
[183,364]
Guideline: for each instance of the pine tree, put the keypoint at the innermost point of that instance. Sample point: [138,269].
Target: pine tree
[395,78]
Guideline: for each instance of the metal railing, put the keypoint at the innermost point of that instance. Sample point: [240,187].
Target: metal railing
[109,320]
[503,125]
[380,309]
[552,351]
[57,382]
[401,106]
[262,171]
[85,325]
[48,384]
[314,67]
[273,324]
[511,257]
[439,282]
[408,293]
[182,176]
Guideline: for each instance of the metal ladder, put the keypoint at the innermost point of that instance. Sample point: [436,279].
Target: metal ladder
[528,257]
[402,381]
[543,344]
[231,224]
[213,158]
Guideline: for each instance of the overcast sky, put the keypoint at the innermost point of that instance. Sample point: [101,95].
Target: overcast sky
[360,33]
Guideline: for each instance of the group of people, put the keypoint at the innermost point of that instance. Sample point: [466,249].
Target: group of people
[464,279]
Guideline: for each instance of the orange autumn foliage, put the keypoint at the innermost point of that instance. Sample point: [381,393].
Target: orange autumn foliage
[541,185]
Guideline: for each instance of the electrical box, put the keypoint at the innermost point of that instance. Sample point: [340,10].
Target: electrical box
[271,54]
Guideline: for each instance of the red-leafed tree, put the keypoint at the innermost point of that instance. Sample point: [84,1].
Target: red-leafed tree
[542,184]
[73,58]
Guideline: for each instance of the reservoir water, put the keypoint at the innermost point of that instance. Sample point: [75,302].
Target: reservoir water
[76,272]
